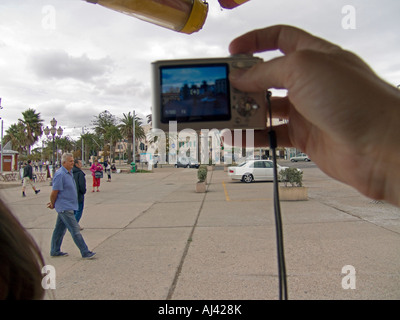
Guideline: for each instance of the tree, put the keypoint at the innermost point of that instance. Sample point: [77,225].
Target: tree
[106,128]
[126,128]
[91,144]
[32,127]
[66,144]
[15,133]
[113,134]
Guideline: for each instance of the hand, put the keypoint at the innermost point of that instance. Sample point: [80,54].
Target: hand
[339,112]
[50,205]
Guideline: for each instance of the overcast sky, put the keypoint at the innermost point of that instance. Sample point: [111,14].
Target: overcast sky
[71,60]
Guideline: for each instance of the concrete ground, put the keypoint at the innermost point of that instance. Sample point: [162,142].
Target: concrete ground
[156,239]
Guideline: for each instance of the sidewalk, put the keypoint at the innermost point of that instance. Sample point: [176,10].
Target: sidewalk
[156,238]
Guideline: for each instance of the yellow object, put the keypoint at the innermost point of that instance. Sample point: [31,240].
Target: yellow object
[186,16]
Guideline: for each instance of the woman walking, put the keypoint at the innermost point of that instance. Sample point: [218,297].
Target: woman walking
[97,174]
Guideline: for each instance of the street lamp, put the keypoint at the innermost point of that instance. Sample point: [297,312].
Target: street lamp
[53,131]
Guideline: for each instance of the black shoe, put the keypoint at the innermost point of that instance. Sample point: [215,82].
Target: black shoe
[23,194]
[37,191]
[60,254]
[89,255]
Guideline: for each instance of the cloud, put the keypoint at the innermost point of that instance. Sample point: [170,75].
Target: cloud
[58,64]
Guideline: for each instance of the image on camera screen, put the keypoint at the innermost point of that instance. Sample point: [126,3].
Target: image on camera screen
[193,93]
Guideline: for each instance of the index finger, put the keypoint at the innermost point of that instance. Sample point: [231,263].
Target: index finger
[285,38]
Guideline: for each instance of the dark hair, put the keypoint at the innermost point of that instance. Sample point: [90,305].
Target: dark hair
[76,161]
[21,260]
[29,161]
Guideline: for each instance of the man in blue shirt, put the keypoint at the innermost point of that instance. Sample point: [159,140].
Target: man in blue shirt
[64,199]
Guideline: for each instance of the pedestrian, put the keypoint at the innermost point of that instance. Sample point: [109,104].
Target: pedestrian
[64,199]
[97,173]
[80,181]
[28,179]
[337,110]
[108,170]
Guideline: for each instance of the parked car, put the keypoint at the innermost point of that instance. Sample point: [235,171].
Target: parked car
[300,157]
[254,170]
[187,162]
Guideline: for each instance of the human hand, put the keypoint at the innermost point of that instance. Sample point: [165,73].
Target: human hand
[50,205]
[339,111]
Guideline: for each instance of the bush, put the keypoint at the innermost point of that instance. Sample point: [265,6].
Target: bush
[292,176]
[202,173]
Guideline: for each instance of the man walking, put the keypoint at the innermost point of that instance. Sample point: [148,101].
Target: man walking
[64,199]
[80,181]
[28,179]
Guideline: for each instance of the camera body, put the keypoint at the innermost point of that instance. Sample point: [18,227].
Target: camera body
[196,93]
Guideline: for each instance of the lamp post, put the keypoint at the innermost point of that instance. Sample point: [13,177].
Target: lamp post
[53,131]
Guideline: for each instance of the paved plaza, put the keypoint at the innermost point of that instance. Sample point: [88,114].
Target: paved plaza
[156,238]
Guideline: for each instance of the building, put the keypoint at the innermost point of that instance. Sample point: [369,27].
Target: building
[10,158]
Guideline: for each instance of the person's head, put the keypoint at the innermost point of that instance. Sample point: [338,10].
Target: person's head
[95,160]
[78,163]
[21,260]
[29,161]
[67,161]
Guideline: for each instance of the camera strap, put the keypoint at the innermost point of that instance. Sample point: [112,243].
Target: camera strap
[283,295]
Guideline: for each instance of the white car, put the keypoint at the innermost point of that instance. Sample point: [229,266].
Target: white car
[300,157]
[254,170]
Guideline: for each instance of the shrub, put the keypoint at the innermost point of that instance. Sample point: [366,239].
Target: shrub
[202,173]
[292,176]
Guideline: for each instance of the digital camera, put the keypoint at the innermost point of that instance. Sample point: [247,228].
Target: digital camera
[196,93]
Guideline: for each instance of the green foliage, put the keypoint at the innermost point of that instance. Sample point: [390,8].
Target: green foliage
[202,173]
[292,176]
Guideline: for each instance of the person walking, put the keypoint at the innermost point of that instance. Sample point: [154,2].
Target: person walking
[80,182]
[97,173]
[28,179]
[108,170]
[64,199]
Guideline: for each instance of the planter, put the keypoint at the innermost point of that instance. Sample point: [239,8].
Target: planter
[201,186]
[293,193]
[210,168]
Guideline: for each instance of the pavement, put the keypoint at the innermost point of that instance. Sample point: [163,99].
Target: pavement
[157,239]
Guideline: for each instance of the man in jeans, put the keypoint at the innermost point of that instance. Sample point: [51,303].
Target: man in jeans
[64,199]
[28,179]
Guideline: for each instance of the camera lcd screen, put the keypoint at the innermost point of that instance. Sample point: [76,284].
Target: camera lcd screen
[195,93]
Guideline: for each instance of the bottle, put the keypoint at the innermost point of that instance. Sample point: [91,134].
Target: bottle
[185,16]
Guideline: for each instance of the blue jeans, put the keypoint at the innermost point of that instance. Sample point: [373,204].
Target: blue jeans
[78,213]
[66,220]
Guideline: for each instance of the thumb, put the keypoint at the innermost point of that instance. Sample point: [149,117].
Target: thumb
[260,77]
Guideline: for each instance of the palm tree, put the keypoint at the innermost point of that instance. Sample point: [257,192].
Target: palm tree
[66,144]
[91,144]
[32,127]
[104,126]
[126,128]
[113,134]
[15,133]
